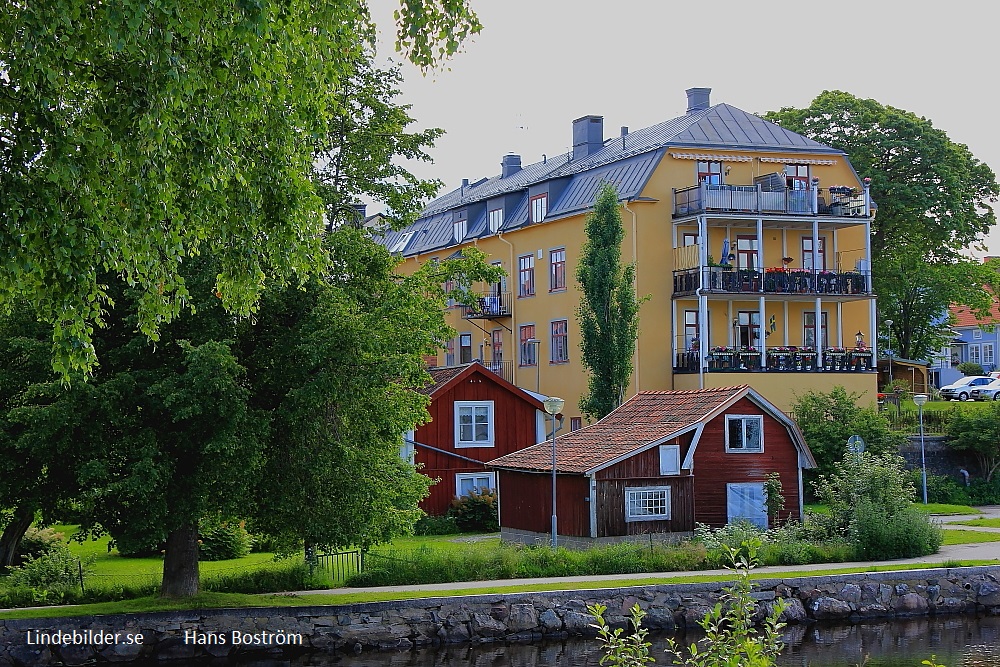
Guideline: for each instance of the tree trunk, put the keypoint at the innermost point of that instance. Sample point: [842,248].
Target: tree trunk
[180,564]
[12,534]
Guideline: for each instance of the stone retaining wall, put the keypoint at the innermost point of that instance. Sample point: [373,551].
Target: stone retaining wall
[482,618]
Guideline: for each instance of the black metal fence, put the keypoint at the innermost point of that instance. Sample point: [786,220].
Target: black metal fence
[340,564]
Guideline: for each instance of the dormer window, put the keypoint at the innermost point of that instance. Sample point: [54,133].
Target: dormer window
[401,242]
[460,229]
[539,207]
[495,218]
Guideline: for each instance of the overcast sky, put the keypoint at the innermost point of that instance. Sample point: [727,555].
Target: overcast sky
[539,64]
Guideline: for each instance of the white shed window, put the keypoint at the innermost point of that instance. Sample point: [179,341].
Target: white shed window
[406,450]
[467,482]
[647,503]
[670,459]
[745,501]
[473,423]
[744,433]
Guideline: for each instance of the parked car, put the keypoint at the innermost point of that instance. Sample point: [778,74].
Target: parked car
[962,390]
[987,392]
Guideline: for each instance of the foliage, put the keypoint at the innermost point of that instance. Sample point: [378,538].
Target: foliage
[38,542]
[280,577]
[222,540]
[609,310]
[900,386]
[934,199]
[731,637]
[869,497]
[828,419]
[943,489]
[791,544]
[481,561]
[970,368]
[476,512]
[977,432]
[51,578]
[138,144]
[773,500]
[632,650]
[435,525]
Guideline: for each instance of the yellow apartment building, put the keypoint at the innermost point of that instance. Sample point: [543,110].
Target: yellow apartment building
[751,241]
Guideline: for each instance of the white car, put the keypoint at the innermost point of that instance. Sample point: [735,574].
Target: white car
[986,392]
[962,390]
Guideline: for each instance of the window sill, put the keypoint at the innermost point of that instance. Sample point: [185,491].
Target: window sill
[525,296]
[462,445]
[558,363]
[744,451]
[557,290]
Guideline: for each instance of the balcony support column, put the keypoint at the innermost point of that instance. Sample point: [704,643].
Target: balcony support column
[820,343]
[762,332]
[873,328]
[815,252]
[760,251]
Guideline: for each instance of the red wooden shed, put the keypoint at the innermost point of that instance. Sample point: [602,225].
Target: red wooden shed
[476,416]
[661,462]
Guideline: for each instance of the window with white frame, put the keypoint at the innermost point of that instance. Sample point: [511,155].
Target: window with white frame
[975,354]
[670,459]
[460,227]
[647,503]
[495,219]
[401,242]
[473,423]
[467,482]
[539,207]
[988,357]
[406,449]
[946,357]
[745,501]
[977,334]
[744,433]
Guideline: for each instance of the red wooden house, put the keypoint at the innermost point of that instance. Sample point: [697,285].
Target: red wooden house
[476,416]
[661,462]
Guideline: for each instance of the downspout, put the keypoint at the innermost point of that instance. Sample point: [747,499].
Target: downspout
[635,289]
[515,362]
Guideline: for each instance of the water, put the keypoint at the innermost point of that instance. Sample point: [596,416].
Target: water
[957,641]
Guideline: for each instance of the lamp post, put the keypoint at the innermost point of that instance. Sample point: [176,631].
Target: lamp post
[920,399]
[534,342]
[553,406]
[888,346]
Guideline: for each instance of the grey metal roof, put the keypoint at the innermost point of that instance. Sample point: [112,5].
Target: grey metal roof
[625,161]
[628,176]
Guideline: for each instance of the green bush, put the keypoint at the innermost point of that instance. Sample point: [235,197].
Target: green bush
[985,493]
[51,578]
[38,542]
[943,489]
[223,540]
[476,512]
[881,536]
[280,577]
[436,525]
[970,368]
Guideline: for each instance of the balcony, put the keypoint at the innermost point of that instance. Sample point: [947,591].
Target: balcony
[766,198]
[777,360]
[729,280]
[487,306]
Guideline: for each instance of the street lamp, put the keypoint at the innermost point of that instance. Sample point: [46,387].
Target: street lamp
[553,406]
[888,346]
[920,399]
[535,343]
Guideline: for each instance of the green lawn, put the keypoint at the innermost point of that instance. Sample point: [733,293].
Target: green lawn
[952,537]
[930,508]
[982,523]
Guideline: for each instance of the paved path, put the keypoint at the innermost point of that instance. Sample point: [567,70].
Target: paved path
[959,552]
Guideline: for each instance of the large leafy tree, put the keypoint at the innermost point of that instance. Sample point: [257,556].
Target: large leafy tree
[135,135]
[977,432]
[934,200]
[609,310]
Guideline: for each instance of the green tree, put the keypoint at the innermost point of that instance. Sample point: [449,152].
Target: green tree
[136,135]
[977,432]
[828,419]
[934,199]
[609,310]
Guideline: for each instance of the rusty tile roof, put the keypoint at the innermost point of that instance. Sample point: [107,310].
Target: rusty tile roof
[966,318]
[647,417]
[440,377]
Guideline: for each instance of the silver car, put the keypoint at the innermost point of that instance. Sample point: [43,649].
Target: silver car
[962,390]
[986,392]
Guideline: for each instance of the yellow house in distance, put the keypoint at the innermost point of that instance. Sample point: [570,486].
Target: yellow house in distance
[751,241]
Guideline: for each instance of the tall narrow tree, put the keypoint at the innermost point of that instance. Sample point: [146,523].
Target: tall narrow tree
[609,309]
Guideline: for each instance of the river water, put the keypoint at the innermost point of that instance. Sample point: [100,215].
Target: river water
[957,641]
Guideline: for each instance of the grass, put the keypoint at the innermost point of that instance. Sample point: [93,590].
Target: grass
[952,537]
[233,600]
[982,523]
[945,509]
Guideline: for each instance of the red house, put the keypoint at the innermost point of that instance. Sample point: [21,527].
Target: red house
[661,462]
[476,416]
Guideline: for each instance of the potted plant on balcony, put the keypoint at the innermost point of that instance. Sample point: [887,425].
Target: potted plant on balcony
[775,279]
[781,358]
[835,359]
[799,279]
[722,357]
[749,358]
[860,358]
[826,281]
[805,358]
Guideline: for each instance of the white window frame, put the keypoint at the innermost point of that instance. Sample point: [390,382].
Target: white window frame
[539,207]
[460,229]
[977,334]
[989,355]
[490,477]
[401,242]
[759,518]
[407,450]
[491,420]
[495,220]
[636,498]
[670,460]
[730,447]
[975,354]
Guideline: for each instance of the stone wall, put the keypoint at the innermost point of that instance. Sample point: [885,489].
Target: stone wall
[483,618]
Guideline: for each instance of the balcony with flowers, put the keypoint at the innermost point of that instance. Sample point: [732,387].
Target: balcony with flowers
[778,359]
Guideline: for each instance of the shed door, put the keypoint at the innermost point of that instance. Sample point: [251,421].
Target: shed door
[746,501]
